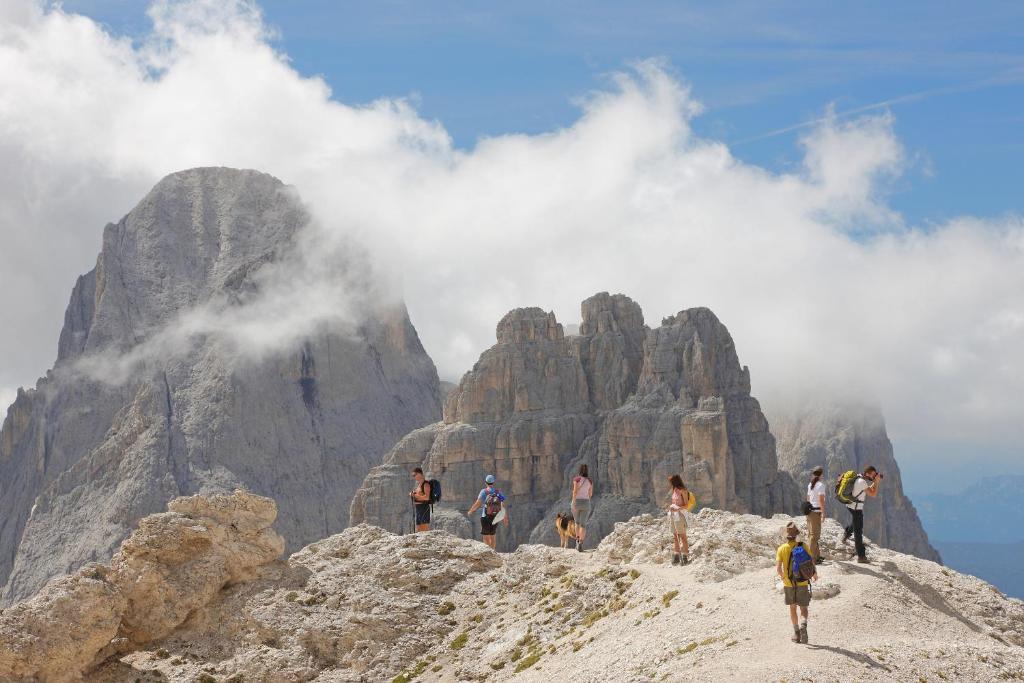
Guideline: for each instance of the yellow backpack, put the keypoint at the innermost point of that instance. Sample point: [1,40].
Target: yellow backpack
[691,501]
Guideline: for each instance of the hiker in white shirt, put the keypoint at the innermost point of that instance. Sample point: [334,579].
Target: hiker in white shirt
[815,512]
[866,485]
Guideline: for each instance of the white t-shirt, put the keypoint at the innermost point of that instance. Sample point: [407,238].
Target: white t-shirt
[815,492]
[859,493]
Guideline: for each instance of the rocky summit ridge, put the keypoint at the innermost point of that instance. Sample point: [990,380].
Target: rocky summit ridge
[84,456]
[199,593]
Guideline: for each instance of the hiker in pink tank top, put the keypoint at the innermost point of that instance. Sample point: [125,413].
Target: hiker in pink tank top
[582,492]
[677,519]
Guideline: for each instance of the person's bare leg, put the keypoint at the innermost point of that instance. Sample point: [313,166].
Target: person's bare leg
[489,540]
[792,616]
[686,545]
[675,540]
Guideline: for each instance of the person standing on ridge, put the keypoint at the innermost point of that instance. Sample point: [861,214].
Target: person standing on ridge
[865,485]
[582,492]
[795,567]
[420,496]
[491,503]
[677,508]
[815,512]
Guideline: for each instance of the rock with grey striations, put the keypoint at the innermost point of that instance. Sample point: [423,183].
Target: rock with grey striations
[99,444]
[852,436]
[633,403]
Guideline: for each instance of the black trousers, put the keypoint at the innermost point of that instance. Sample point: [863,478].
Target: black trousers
[857,529]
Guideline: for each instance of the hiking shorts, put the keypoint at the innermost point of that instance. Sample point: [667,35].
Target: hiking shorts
[487,527]
[799,595]
[582,513]
[677,524]
[422,513]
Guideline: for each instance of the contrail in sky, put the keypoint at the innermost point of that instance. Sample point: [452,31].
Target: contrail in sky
[1009,77]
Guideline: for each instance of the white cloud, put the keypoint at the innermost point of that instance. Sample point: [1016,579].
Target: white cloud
[816,276]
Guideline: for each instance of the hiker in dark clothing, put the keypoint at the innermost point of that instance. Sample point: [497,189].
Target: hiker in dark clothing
[420,496]
[865,485]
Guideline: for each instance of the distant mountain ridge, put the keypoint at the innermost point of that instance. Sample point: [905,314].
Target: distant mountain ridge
[990,510]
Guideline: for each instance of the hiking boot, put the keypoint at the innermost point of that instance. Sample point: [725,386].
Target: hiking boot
[803,634]
[796,635]
[863,560]
[820,560]
[579,547]
[675,558]
[685,560]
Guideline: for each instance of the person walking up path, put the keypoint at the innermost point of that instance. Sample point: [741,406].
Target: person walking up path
[866,485]
[796,568]
[582,492]
[677,519]
[420,496]
[816,512]
[491,503]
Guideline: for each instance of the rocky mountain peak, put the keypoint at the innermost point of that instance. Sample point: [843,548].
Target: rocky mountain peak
[634,404]
[523,325]
[84,456]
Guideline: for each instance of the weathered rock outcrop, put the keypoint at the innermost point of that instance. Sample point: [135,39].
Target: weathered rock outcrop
[176,563]
[85,455]
[635,404]
[847,436]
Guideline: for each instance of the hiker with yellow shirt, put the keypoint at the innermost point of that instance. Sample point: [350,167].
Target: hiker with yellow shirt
[795,567]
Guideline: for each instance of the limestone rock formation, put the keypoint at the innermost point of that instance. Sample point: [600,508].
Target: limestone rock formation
[636,404]
[85,455]
[177,562]
[367,605]
[845,436]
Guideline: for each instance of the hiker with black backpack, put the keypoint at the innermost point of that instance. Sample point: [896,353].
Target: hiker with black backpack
[852,490]
[814,510]
[795,566]
[491,503]
[422,497]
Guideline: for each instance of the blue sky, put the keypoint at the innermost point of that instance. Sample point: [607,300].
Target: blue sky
[486,69]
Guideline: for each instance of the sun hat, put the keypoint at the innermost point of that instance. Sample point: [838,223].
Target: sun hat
[792,531]
[489,479]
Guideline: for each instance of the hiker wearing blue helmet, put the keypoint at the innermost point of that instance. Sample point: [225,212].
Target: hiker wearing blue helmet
[491,503]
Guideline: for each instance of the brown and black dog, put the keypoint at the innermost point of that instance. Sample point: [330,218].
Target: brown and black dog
[565,525]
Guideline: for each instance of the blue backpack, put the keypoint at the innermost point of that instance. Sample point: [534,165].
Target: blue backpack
[801,565]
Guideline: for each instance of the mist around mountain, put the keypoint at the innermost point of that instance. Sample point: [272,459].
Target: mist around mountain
[979,531]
